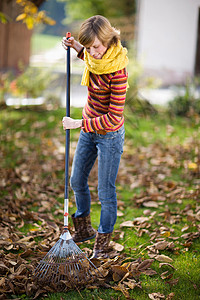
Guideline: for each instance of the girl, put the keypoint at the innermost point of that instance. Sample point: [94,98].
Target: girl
[102,130]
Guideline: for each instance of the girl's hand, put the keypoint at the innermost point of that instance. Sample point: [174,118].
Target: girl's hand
[68,42]
[69,123]
[71,42]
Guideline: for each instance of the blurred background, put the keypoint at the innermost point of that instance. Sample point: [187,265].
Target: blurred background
[162,38]
[158,184]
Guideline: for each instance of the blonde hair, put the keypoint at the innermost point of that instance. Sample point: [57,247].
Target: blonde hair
[98,26]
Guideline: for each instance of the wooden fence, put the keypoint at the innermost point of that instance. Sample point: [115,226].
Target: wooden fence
[15,42]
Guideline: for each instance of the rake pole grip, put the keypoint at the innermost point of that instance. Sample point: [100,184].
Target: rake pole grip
[67,138]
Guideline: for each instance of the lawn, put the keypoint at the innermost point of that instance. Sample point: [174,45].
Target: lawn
[43,42]
[158,189]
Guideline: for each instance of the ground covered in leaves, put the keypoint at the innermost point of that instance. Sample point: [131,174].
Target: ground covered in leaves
[155,248]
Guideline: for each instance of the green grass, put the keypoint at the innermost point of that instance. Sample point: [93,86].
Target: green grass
[160,127]
[38,131]
[43,42]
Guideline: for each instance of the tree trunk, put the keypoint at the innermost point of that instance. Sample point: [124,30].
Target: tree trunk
[15,38]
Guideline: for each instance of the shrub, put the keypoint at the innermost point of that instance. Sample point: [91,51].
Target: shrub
[187,102]
[31,82]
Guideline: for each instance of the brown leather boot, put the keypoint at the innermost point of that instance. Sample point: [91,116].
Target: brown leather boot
[83,229]
[101,245]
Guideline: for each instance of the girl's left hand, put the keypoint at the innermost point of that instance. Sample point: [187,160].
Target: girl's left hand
[69,123]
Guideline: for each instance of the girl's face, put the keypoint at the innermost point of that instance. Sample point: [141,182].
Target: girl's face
[97,49]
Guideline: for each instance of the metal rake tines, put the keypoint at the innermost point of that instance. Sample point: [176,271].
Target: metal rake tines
[66,263]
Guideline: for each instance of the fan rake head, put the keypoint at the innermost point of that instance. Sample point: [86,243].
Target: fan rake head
[65,266]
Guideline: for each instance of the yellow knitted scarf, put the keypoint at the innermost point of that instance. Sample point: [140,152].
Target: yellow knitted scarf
[113,60]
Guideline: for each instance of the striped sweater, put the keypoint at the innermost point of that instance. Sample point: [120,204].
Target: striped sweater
[105,103]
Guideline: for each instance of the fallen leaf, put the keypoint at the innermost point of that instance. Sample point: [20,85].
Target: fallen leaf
[170,296]
[173,281]
[166,234]
[164,258]
[118,272]
[166,264]
[141,219]
[122,288]
[145,264]
[150,204]
[186,227]
[127,224]
[156,296]
[192,166]
[116,246]
[132,283]
[166,275]
[149,272]
[161,245]
[103,271]
[25,178]
[119,213]
[2,281]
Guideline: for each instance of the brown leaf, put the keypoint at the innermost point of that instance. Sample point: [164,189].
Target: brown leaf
[9,247]
[2,281]
[3,268]
[145,264]
[25,178]
[149,272]
[185,228]
[165,275]
[39,292]
[141,219]
[116,277]
[150,204]
[166,264]
[147,212]
[173,281]
[117,246]
[103,271]
[170,296]
[188,235]
[163,258]
[123,289]
[131,283]
[22,224]
[156,296]
[12,262]
[11,285]
[25,240]
[21,270]
[127,224]
[118,234]
[26,253]
[161,245]
[170,246]
[119,213]
[118,272]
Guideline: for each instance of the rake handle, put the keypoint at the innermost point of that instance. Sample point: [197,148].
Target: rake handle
[67,137]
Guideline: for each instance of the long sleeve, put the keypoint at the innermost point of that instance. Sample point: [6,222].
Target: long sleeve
[81,54]
[106,99]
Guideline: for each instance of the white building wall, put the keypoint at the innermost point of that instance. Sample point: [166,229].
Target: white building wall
[167,36]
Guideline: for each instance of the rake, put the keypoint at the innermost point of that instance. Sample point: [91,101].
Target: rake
[65,265]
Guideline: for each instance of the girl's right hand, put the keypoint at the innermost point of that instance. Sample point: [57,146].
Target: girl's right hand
[68,42]
[71,42]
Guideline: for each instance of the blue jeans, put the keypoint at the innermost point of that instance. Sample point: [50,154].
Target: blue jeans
[108,148]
